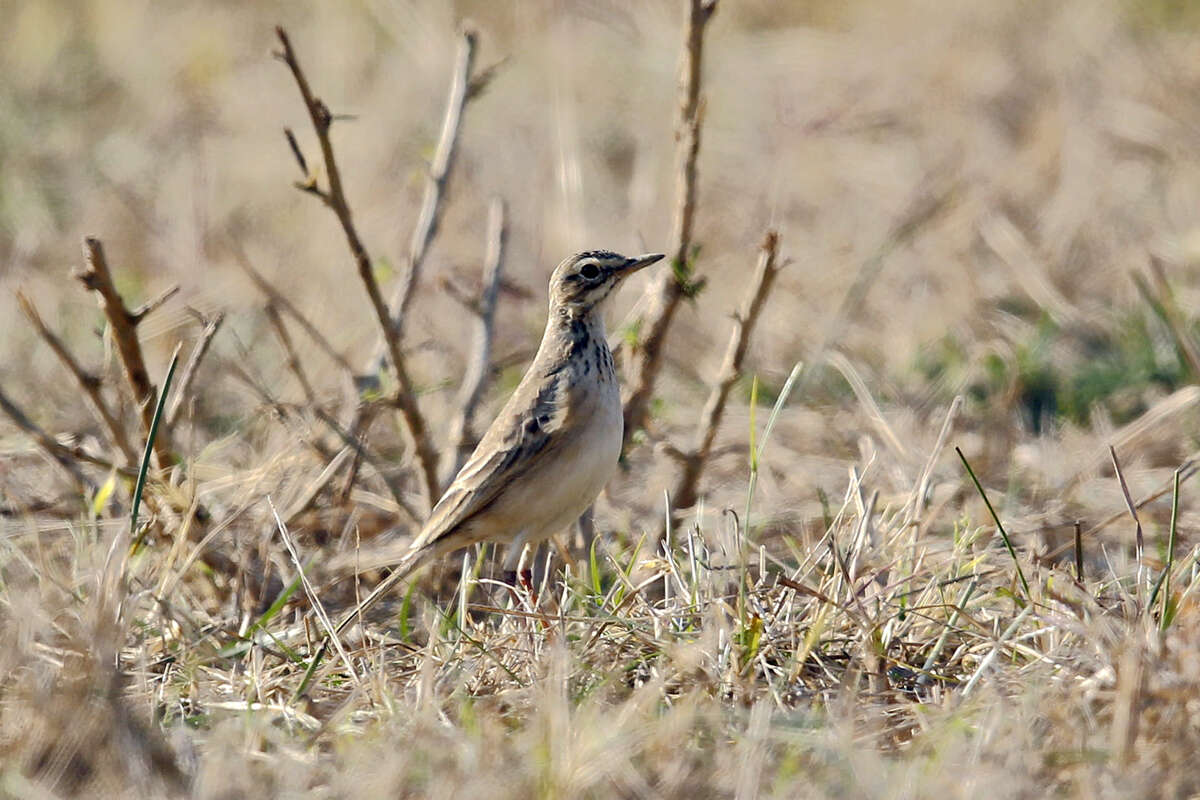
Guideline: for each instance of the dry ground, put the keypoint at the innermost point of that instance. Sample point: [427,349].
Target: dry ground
[997,202]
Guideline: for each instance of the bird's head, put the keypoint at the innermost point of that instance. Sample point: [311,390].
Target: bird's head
[584,281]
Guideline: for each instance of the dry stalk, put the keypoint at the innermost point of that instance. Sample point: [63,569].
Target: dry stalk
[1139,537]
[693,462]
[89,383]
[282,303]
[672,286]
[404,398]
[97,278]
[62,455]
[435,180]
[463,435]
[293,360]
[462,88]
[211,326]
[364,453]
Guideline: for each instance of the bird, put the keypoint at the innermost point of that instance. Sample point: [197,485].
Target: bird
[555,443]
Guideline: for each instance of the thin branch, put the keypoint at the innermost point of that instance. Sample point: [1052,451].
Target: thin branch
[463,436]
[62,455]
[435,180]
[1139,538]
[211,326]
[768,267]
[142,311]
[293,360]
[405,398]
[97,278]
[364,453]
[460,294]
[283,303]
[671,287]
[89,383]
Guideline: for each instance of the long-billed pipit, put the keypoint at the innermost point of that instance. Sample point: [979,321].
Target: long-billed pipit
[555,443]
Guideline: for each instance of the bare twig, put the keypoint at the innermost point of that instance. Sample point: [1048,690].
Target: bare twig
[282,303]
[62,455]
[435,182]
[211,326]
[98,279]
[405,398]
[671,287]
[768,267]
[1139,538]
[364,453]
[293,360]
[89,383]
[463,436]
[145,309]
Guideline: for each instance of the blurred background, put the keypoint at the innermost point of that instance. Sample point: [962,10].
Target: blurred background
[964,192]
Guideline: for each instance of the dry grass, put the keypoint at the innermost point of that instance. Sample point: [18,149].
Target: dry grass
[962,196]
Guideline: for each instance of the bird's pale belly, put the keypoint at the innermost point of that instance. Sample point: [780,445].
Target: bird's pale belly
[553,495]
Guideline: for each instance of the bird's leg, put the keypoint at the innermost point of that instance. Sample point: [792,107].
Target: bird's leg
[525,576]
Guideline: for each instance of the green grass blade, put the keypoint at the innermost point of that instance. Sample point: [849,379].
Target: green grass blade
[1003,533]
[140,486]
[1166,613]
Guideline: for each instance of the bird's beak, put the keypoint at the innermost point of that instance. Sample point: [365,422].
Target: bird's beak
[634,264]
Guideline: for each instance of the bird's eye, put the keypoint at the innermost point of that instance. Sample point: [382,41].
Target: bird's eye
[589,271]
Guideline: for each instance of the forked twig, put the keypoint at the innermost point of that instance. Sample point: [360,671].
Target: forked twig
[97,278]
[694,461]
[462,428]
[404,398]
[672,286]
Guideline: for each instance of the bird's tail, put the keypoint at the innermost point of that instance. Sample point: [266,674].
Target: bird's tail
[401,571]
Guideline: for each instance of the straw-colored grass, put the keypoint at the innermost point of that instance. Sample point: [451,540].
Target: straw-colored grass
[961,195]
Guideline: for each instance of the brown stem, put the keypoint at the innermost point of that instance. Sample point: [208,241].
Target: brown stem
[282,303]
[89,383]
[435,179]
[768,267]
[62,455]
[211,326]
[672,286]
[463,436]
[97,278]
[293,360]
[405,398]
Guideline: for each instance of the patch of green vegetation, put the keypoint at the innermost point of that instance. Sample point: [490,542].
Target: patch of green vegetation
[1056,373]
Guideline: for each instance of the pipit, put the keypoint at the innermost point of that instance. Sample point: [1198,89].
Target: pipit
[555,443]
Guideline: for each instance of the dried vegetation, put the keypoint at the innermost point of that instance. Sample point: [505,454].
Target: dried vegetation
[916,522]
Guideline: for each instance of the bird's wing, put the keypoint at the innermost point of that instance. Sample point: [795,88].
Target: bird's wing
[525,428]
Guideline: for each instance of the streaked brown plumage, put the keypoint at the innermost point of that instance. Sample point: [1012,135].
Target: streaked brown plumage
[555,443]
